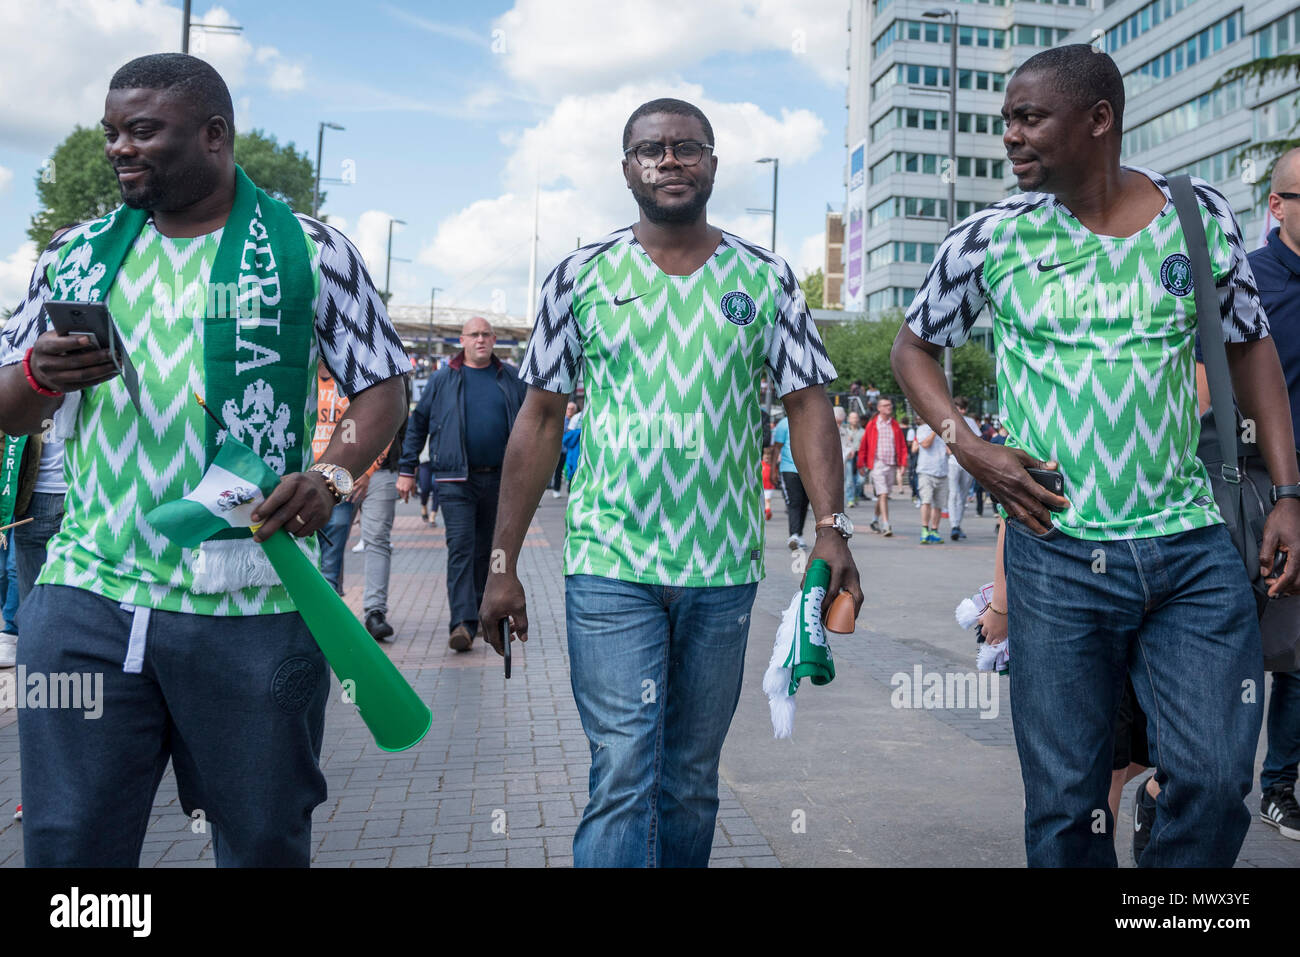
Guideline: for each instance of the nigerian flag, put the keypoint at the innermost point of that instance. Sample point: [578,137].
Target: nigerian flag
[235,483]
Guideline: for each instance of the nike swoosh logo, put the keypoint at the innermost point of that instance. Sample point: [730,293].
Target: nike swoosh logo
[1049,267]
[624,302]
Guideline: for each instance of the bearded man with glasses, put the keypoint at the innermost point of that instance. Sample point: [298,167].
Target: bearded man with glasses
[672,320]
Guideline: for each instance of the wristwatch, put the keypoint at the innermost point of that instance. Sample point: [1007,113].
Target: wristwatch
[337,479]
[839,521]
[1283,491]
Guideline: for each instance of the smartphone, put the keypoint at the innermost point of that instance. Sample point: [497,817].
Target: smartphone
[90,319]
[1048,479]
[93,320]
[503,631]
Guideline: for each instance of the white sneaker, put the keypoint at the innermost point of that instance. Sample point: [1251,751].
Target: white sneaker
[8,649]
[555,493]
[794,542]
[800,543]
[359,547]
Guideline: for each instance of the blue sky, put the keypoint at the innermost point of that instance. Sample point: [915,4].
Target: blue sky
[454,111]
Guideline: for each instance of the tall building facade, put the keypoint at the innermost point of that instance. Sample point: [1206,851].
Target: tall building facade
[1171,53]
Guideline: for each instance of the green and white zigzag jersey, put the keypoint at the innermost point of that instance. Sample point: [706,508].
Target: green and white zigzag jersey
[1095,347]
[667,487]
[119,465]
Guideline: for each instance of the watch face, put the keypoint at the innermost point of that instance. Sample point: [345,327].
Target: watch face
[342,481]
[843,523]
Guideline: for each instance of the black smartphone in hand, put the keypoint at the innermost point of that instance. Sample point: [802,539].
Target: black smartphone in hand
[1053,481]
[503,631]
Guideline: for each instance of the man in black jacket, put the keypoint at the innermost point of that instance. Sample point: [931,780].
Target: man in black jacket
[465,452]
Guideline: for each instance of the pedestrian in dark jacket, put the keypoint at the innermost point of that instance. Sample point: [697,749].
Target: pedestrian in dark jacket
[465,415]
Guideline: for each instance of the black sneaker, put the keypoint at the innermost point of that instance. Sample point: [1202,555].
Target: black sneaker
[1144,816]
[1279,808]
[378,626]
[875,524]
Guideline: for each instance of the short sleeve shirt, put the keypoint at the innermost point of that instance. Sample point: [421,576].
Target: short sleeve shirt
[1095,349]
[666,490]
[781,436]
[120,464]
[934,459]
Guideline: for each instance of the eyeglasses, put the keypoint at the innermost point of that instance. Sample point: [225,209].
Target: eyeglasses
[1289,195]
[687,152]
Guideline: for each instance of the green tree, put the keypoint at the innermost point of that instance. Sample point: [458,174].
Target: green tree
[282,171]
[1261,70]
[860,350]
[812,285]
[77,184]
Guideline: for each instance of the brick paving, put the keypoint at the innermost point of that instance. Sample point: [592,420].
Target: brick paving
[501,778]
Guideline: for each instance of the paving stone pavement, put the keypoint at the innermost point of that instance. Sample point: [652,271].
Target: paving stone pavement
[501,778]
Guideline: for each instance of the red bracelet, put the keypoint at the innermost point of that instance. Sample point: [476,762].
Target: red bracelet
[31,379]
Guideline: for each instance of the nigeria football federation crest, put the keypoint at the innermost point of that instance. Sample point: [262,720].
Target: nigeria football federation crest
[1176,274]
[738,308]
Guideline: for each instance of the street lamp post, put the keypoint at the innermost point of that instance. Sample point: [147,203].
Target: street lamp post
[320,144]
[388,267]
[776,170]
[433,292]
[938,13]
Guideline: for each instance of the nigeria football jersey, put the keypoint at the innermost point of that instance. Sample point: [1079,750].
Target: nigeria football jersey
[120,464]
[667,488]
[1095,338]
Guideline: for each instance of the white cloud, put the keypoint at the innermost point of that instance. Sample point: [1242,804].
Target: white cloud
[16,274]
[575,153]
[6,177]
[618,41]
[371,239]
[287,77]
[812,255]
[73,47]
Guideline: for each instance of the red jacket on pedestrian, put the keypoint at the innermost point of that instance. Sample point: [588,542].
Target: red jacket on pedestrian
[867,450]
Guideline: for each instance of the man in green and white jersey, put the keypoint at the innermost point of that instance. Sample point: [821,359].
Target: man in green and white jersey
[216,289]
[1089,282]
[673,321]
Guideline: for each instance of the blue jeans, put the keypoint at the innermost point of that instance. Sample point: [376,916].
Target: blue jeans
[656,675]
[9,573]
[331,556]
[469,514]
[237,704]
[32,539]
[852,481]
[1177,614]
[1283,732]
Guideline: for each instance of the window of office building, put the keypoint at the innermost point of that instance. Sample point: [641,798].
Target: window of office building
[1279,36]
[980,80]
[1147,18]
[1184,117]
[1217,168]
[1031,36]
[895,297]
[1276,118]
[979,123]
[911,119]
[1186,55]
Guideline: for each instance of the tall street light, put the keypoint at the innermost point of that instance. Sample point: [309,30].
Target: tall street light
[388,268]
[320,143]
[433,292]
[938,13]
[776,170]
